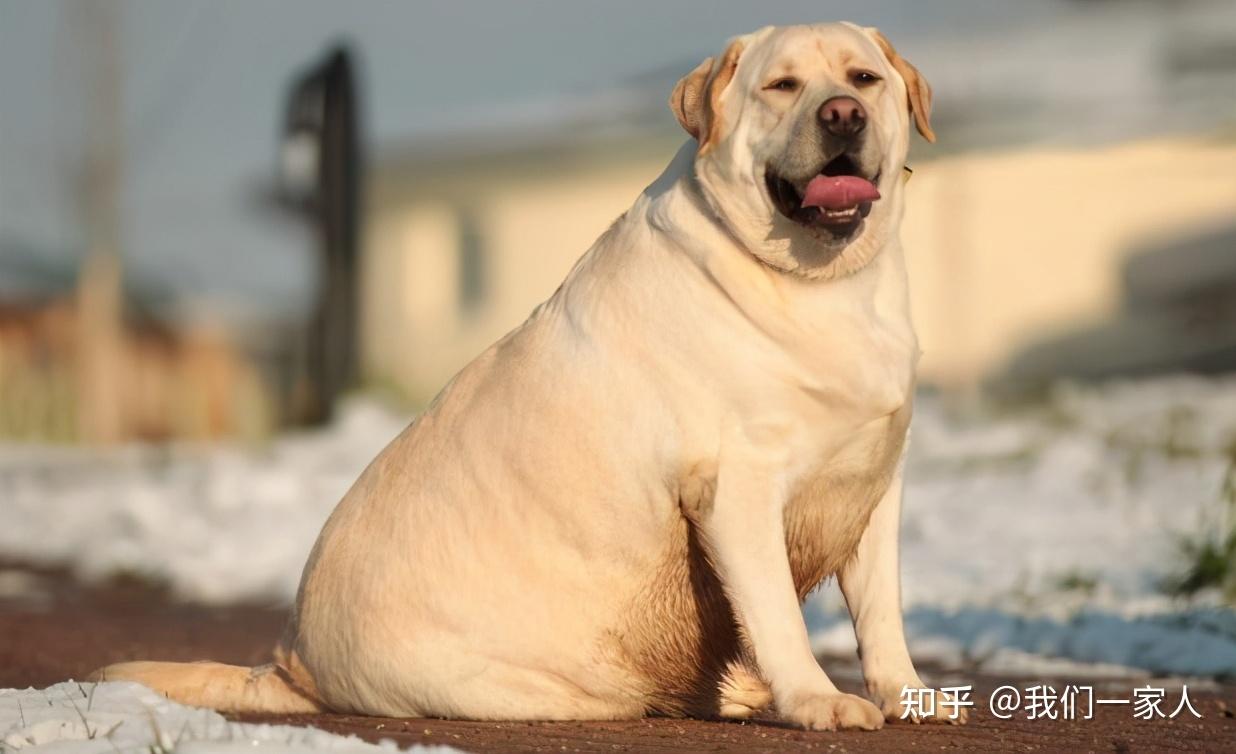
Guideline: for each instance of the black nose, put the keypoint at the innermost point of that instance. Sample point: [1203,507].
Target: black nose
[843,116]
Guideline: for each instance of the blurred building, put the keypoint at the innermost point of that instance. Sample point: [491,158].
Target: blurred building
[1075,219]
[1007,248]
[462,245]
[85,357]
[1066,152]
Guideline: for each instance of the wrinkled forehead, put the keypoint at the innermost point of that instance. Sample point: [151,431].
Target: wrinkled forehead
[806,50]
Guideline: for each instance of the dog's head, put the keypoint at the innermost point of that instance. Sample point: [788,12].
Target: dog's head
[803,133]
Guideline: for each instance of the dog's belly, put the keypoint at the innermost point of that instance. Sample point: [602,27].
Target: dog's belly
[680,635]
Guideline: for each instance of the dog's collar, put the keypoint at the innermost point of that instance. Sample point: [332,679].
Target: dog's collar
[906,173]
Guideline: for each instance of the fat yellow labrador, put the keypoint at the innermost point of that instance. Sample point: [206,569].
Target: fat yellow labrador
[618,508]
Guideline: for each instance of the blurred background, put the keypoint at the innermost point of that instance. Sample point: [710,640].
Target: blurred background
[243,241]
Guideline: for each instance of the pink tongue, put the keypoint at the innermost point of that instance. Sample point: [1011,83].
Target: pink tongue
[839,191]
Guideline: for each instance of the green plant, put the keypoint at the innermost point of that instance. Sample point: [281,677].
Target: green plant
[1077,581]
[1210,557]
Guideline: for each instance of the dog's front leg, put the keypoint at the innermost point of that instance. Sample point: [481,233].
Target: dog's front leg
[743,530]
[871,584]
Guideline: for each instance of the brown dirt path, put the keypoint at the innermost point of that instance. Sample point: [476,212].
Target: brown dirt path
[52,628]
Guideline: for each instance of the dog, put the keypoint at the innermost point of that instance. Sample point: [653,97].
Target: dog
[618,509]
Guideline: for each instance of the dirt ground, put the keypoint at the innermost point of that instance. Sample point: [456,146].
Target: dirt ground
[52,629]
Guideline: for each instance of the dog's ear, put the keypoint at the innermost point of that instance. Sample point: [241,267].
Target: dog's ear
[687,99]
[918,91]
[696,99]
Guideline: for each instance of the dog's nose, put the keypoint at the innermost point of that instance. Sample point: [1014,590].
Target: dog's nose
[843,116]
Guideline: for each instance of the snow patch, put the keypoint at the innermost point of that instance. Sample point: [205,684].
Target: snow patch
[1047,532]
[217,523]
[90,718]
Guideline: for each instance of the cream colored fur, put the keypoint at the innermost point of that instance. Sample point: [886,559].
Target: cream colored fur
[617,509]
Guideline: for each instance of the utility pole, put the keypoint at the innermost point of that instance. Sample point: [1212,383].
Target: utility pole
[100,306]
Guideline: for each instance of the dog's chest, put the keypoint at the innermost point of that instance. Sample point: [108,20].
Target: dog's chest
[831,502]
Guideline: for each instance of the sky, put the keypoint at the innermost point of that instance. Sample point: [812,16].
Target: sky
[204,82]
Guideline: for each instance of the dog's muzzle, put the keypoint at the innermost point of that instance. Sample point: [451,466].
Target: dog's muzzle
[836,199]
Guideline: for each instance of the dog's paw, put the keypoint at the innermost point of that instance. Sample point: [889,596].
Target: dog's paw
[833,711]
[917,705]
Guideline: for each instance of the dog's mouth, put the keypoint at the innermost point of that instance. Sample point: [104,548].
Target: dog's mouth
[836,200]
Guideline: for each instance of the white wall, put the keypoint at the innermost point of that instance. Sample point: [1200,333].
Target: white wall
[1004,249]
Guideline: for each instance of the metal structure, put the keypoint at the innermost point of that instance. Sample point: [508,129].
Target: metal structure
[321,167]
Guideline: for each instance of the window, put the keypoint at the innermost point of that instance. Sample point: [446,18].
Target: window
[472,262]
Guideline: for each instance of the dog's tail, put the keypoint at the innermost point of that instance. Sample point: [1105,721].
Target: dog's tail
[278,688]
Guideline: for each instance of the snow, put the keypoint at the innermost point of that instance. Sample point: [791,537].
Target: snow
[217,523]
[1049,532]
[1034,538]
[85,718]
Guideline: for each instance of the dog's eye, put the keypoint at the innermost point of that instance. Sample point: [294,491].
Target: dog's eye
[864,78]
[786,84]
